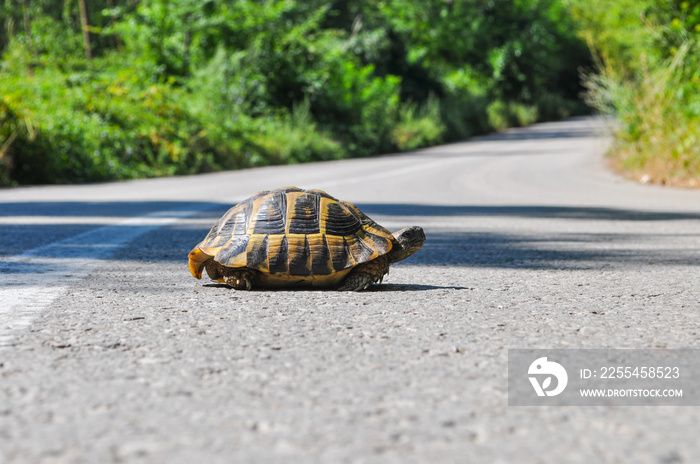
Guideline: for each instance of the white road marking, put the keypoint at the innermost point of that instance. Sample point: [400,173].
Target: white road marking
[59,220]
[32,281]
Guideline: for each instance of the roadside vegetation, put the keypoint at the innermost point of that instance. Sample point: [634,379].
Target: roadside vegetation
[117,89]
[648,77]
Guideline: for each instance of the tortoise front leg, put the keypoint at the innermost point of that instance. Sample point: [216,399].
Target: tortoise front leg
[240,279]
[365,275]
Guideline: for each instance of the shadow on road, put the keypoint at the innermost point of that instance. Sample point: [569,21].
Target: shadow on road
[553,251]
[501,249]
[531,211]
[549,131]
[383,287]
[107,209]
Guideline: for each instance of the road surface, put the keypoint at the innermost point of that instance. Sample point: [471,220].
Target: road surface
[112,352]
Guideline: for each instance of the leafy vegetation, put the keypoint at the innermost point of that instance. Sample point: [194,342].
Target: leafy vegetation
[648,54]
[116,89]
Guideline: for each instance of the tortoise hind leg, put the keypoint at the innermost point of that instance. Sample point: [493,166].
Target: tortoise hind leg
[365,275]
[240,279]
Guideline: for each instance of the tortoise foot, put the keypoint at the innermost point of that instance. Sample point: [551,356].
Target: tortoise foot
[240,279]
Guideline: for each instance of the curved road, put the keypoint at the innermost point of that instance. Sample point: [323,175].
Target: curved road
[112,352]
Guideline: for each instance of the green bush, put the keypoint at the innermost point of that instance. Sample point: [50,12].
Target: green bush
[650,85]
[88,127]
[419,126]
[502,115]
[294,138]
[359,107]
[9,131]
[192,86]
[463,107]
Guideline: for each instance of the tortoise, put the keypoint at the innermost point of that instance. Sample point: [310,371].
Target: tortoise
[290,237]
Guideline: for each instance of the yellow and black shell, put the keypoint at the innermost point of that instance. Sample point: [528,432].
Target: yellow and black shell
[292,237]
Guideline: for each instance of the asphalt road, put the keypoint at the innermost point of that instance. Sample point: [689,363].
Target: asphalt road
[112,352]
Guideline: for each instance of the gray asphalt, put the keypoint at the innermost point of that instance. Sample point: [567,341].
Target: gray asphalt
[112,352]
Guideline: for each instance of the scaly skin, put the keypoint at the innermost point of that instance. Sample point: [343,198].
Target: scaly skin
[240,279]
[407,242]
[366,274]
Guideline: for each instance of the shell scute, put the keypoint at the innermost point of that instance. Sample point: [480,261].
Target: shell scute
[340,220]
[278,254]
[304,214]
[257,252]
[270,216]
[234,253]
[299,255]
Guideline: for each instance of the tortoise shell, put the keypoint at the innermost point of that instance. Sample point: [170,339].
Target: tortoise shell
[293,236]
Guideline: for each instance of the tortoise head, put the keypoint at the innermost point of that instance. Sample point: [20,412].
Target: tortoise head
[410,240]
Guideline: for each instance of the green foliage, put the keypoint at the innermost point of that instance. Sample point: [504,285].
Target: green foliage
[85,127]
[503,115]
[294,138]
[361,108]
[420,126]
[649,79]
[185,86]
[615,30]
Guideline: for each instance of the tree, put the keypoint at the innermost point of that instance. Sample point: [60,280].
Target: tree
[85,25]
